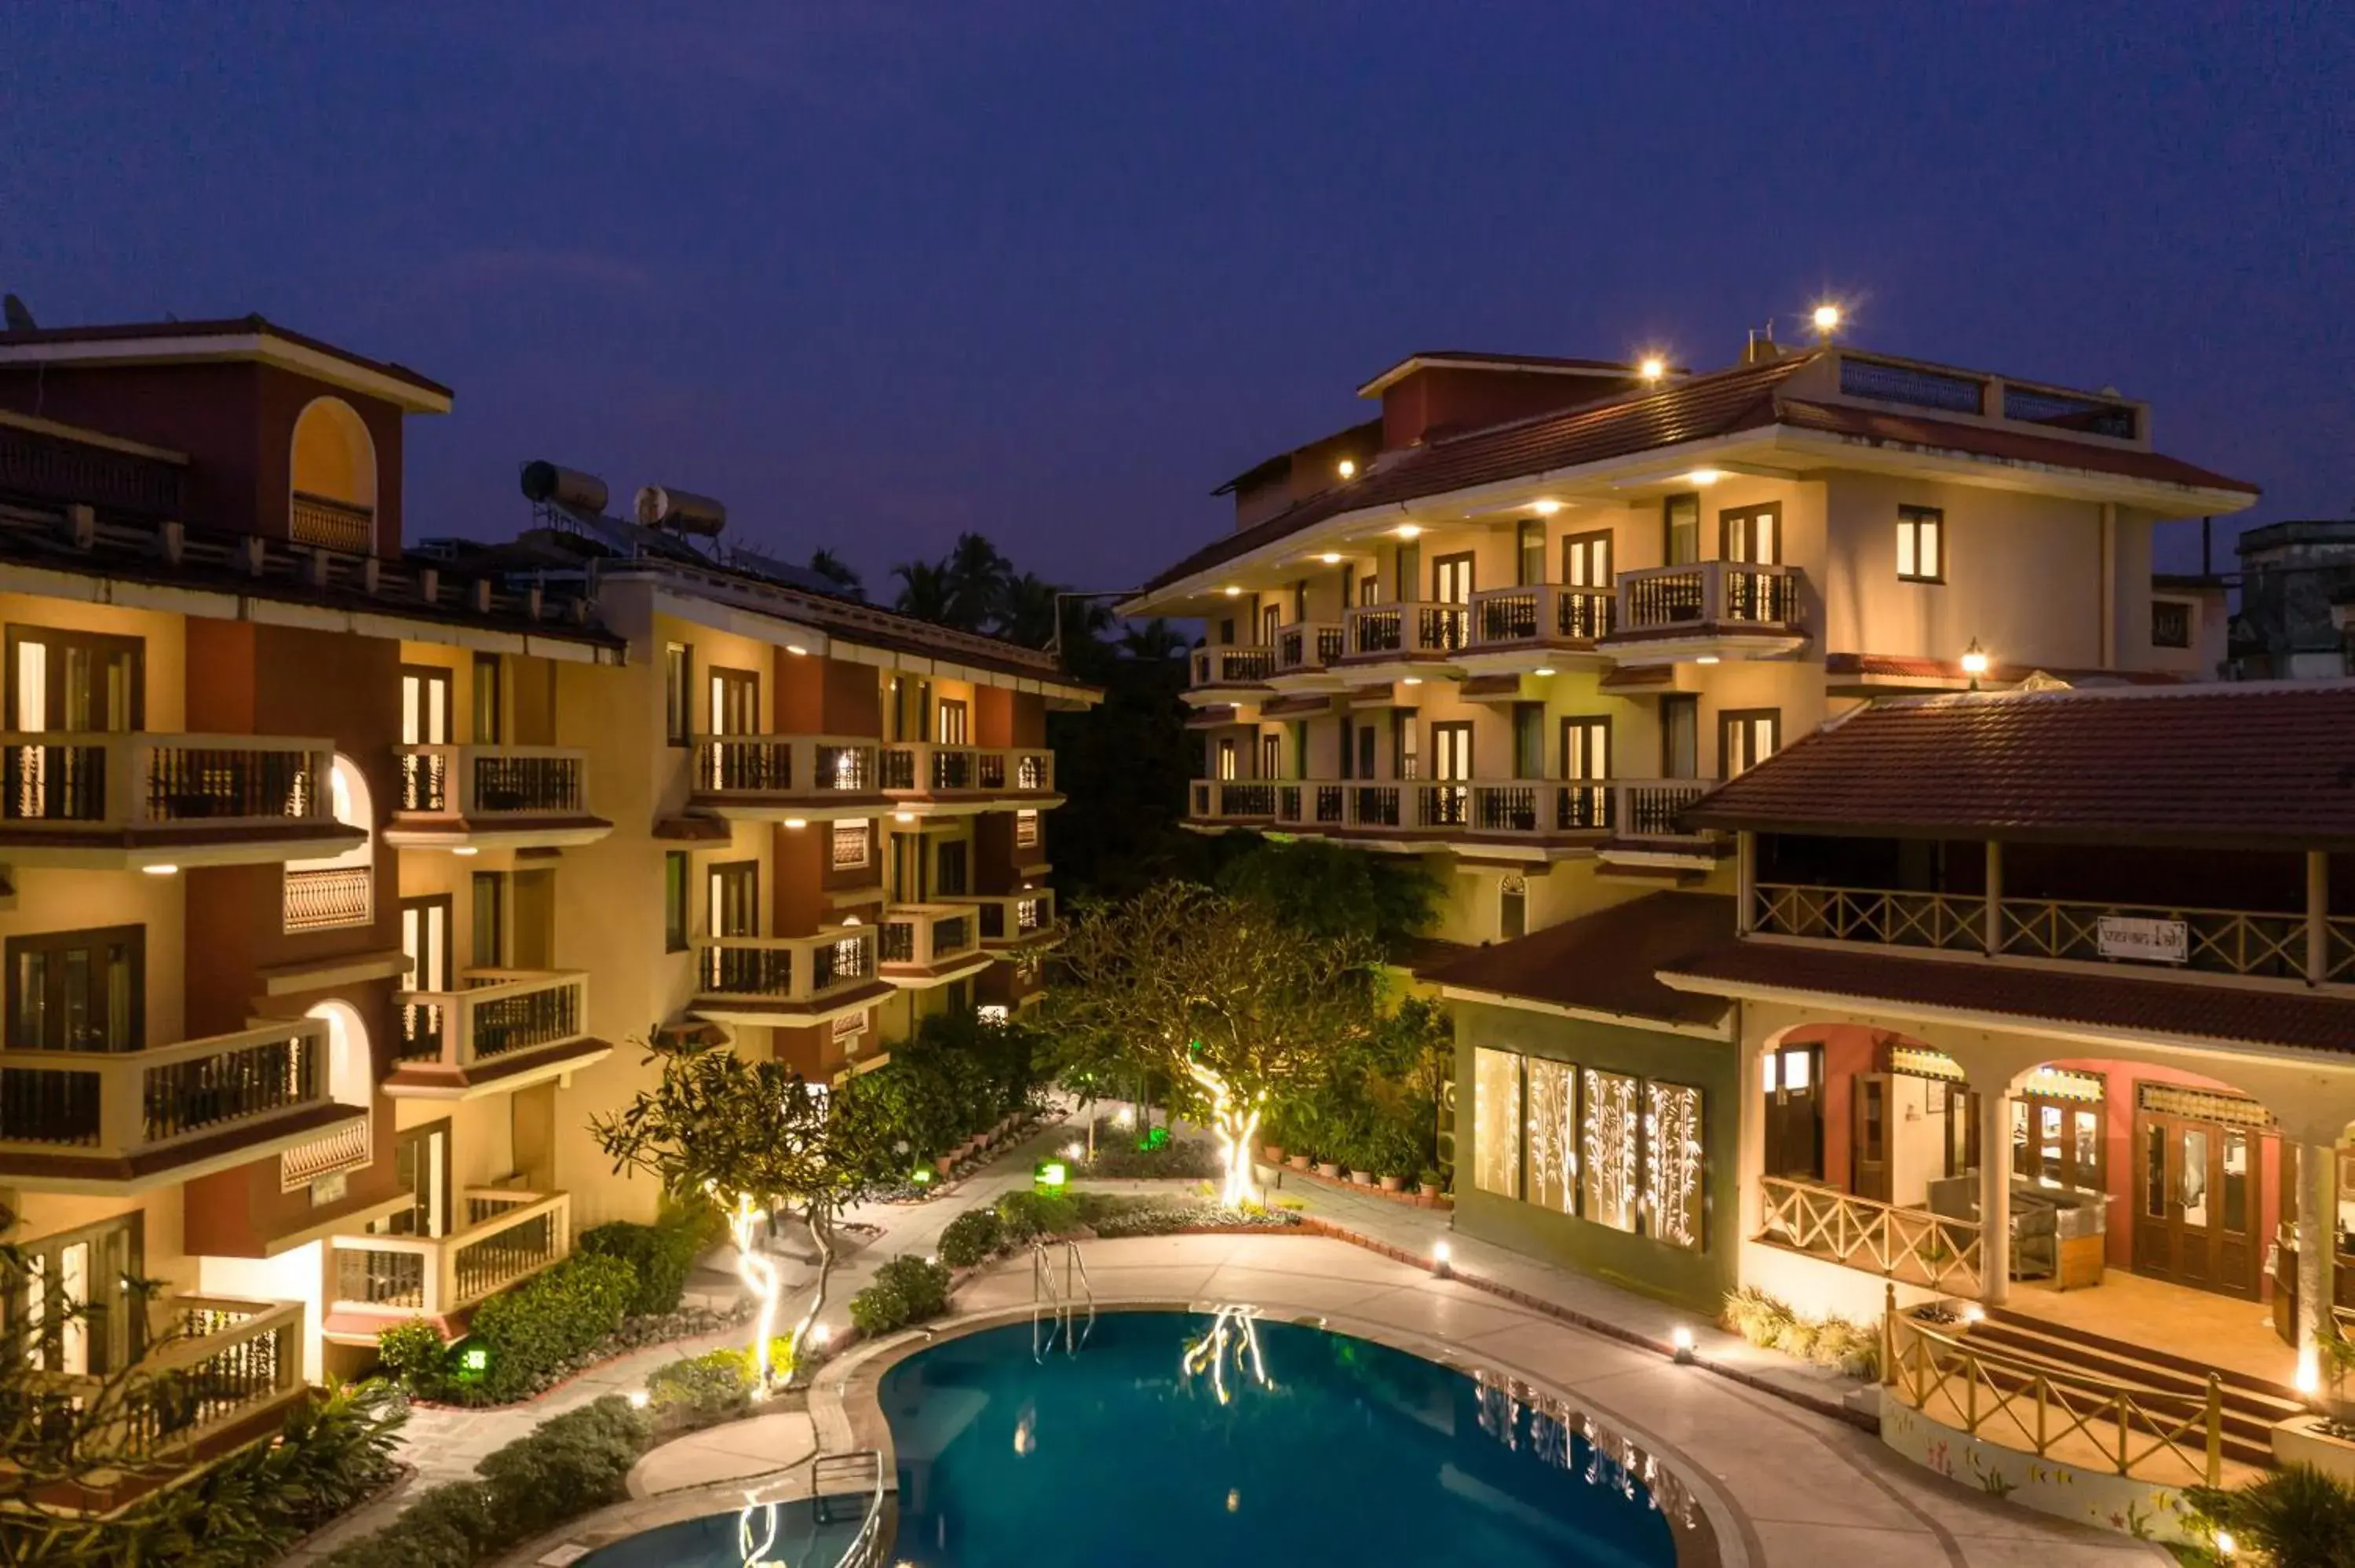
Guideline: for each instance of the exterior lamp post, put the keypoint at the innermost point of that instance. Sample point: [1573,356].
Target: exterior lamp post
[1975,662]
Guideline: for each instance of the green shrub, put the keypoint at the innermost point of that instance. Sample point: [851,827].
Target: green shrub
[413,1353]
[970,1237]
[662,1254]
[2299,1518]
[905,1290]
[1026,1214]
[695,1389]
[529,1333]
[1176,1159]
[1770,1324]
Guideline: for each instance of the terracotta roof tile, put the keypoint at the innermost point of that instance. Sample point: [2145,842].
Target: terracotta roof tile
[2304,1020]
[1603,962]
[2218,764]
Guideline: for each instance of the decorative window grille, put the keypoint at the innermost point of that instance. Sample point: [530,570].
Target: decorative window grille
[1497,1121]
[1554,1134]
[1613,1137]
[1674,1164]
[851,842]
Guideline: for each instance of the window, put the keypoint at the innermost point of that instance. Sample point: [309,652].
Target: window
[425,925]
[1512,906]
[1369,589]
[1680,736]
[1271,754]
[1227,632]
[1554,1134]
[1674,1164]
[1026,828]
[1745,738]
[1752,534]
[1681,530]
[1586,560]
[1528,555]
[735,702]
[1271,617]
[487,699]
[955,728]
[2171,623]
[1529,740]
[1586,749]
[424,705]
[1227,764]
[677,920]
[1921,545]
[489,908]
[75,1301]
[679,693]
[1451,579]
[1611,1137]
[735,899]
[78,991]
[952,862]
[850,844]
[1497,1122]
[77,681]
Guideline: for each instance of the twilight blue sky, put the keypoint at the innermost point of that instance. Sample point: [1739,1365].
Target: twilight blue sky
[876,273]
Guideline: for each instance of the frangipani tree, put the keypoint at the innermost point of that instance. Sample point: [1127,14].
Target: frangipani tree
[1236,1004]
[750,1135]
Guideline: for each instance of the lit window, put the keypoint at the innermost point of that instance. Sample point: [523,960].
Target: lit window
[1497,1122]
[1673,1164]
[1554,1134]
[1921,545]
[1026,828]
[1611,1147]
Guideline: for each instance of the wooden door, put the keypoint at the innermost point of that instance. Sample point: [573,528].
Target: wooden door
[2197,1197]
[1869,1134]
[1795,1112]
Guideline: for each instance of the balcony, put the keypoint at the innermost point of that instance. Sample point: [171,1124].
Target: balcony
[324,898]
[1230,802]
[126,1121]
[493,797]
[1644,831]
[112,802]
[1016,922]
[330,525]
[1383,636]
[1710,609]
[1520,629]
[348,1147]
[1531,812]
[790,981]
[959,780]
[924,945]
[776,779]
[217,1374]
[378,1280]
[507,1029]
[1305,653]
[1219,674]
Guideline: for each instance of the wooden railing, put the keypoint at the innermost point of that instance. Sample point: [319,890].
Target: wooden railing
[518,1235]
[2222,941]
[487,781]
[1542,613]
[1710,593]
[1408,631]
[128,1103]
[2338,949]
[218,1361]
[1648,808]
[2069,1417]
[1309,645]
[920,936]
[333,524]
[1945,920]
[501,1012]
[1238,664]
[786,969]
[323,898]
[1912,1246]
[136,781]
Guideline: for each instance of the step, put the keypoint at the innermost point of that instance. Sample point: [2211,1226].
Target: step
[2193,1371]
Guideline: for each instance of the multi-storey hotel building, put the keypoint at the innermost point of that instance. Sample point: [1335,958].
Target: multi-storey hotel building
[338,875]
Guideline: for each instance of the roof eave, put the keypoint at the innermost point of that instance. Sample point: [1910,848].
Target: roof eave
[2088,484]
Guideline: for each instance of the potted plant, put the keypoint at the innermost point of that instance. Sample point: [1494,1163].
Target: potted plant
[1393,1183]
[1298,1160]
[1329,1169]
[1426,1184]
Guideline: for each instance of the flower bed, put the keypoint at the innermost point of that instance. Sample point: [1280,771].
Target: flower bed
[1410,1198]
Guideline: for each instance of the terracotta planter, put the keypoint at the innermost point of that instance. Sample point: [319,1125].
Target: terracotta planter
[1393,1183]
[1298,1161]
[1273,1153]
[1362,1178]
[1328,1170]
[1427,1191]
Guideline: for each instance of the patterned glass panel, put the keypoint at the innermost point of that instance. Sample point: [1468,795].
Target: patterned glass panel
[1672,1178]
[1497,1122]
[1612,1141]
[1554,1134]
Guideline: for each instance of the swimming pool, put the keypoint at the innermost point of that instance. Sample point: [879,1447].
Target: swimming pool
[804,1535]
[1172,1438]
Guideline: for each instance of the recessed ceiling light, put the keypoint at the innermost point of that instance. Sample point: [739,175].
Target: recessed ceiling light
[1706,658]
[1232,592]
[160,870]
[1545,508]
[1410,530]
[1331,557]
[1541,671]
[465,849]
[795,648]
[1704,476]
[1414,681]
[796,821]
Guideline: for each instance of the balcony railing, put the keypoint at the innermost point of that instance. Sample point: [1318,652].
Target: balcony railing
[926,769]
[476,782]
[1239,665]
[811,765]
[500,1013]
[1231,800]
[1308,645]
[126,1104]
[512,1236]
[1408,631]
[1545,612]
[333,524]
[1720,594]
[786,969]
[1535,808]
[1648,808]
[1011,920]
[216,1363]
[1913,1246]
[323,898]
[1543,808]
[135,781]
[925,935]
[1942,920]
[347,1147]
[2221,941]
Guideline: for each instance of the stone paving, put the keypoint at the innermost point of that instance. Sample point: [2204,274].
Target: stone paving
[1797,1485]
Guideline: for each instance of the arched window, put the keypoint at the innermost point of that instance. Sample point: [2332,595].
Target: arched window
[340,889]
[1512,906]
[351,1074]
[332,479]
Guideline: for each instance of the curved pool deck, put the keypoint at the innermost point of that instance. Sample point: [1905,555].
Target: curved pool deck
[1778,1484]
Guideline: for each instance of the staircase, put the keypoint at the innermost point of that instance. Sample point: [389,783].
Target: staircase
[2252,1404]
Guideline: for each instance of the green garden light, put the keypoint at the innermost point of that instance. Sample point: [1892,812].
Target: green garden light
[1051,1174]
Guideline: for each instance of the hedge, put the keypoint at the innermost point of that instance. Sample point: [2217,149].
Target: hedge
[662,1254]
[532,1329]
[905,1290]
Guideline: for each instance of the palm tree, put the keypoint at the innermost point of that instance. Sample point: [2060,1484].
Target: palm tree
[1026,614]
[838,572]
[977,578]
[1156,641]
[924,592]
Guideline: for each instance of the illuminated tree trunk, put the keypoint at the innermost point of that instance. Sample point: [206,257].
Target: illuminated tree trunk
[759,1275]
[821,1237]
[1236,1123]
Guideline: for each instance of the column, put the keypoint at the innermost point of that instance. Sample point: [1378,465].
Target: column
[1995,1196]
[2318,917]
[2317,1202]
[1991,935]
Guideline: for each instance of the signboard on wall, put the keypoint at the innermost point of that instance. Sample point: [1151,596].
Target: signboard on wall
[2147,941]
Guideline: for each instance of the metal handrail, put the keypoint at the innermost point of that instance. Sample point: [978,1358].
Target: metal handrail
[1055,1307]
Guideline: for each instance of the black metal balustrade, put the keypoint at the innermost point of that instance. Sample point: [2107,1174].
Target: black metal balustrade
[749,764]
[518,1023]
[748,971]
[542,784]
[44,783]
[195,783]
[201,1092]
[424,781]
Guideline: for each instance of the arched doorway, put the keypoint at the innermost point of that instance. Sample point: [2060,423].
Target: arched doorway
[337,890]
[332,481]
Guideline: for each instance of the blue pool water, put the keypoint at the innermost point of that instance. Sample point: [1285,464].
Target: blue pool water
[1175,1438]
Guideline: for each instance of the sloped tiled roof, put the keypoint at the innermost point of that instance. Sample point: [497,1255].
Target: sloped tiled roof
[1883,429]
[1603,962]
[2243,1015]
[2218,763]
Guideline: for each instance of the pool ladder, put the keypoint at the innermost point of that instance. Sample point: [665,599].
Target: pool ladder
[1055,1304]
